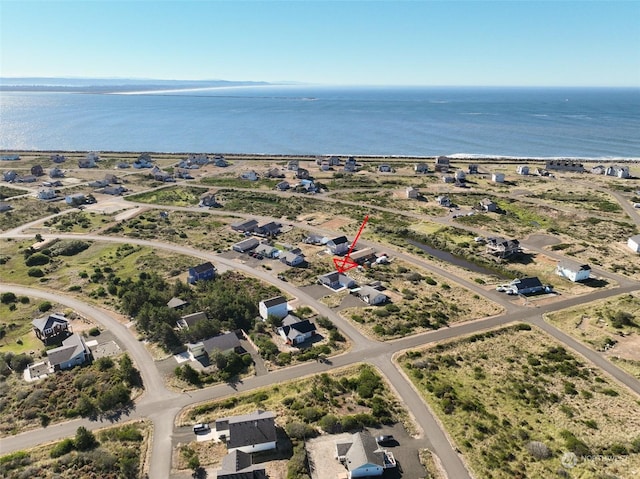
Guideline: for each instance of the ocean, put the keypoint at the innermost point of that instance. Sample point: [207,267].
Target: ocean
[586,123]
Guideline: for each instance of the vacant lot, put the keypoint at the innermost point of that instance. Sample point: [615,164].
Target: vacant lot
[514,401]
[612,326]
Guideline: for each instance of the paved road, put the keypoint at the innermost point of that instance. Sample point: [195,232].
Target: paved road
[162,406]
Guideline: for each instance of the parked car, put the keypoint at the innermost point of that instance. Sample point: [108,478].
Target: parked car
[385,439]
[201,427]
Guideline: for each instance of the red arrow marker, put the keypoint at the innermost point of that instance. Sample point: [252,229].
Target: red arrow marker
[346,263]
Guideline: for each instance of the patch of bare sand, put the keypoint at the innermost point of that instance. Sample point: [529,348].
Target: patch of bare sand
[627,347]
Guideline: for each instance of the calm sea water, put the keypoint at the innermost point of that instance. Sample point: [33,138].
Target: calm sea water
[518,122]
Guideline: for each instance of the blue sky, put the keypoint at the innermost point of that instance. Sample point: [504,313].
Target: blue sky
[547,43]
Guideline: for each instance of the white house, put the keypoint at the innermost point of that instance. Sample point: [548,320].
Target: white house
[292,259]
[73,352]
[497,177]
[248,433]
[46,194]
[443,201]
[277,307]
[634,243]
[363,457]
[295,331]
[338,246]
[573,271]
[372,296]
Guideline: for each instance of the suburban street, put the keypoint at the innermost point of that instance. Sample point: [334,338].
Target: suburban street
[162,406]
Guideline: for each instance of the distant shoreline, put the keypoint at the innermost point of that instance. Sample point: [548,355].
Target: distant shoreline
[280,157]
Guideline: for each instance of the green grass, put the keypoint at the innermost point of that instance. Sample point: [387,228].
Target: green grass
[172,196]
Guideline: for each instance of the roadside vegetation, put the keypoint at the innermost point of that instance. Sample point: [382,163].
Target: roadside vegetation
[343,400]
[26,210]
[102,389]
[112,453]
[514,401]
[171,196]
[611,326]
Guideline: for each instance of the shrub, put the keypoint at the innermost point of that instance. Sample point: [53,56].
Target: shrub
[298,430]
[44,306]
[62,448]
[35,272]
[84,439]
[37,259]
[538,450]
[8,297]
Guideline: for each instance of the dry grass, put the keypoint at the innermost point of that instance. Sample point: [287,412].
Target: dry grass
[496,392]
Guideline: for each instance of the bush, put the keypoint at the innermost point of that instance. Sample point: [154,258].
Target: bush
[538,450]
[35,272]
[8,297]
[298,430]
[85,439]
[62,448]
[44,306]
[37,259]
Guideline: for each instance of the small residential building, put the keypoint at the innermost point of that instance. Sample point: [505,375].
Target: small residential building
[527,285]
[220,161]
[274,173]
[56,173]
[46,194]
[27,179]
[248,433]
[302,174]
[599,170]
[472,169]
[245,245]
[269,229]
[190,320]
[123,165]
[618,171]
[73,352]
[143,161]
[276,306]
[202,272]
[363,457]
[350,165]
[338,246]
[9,157]
[502,247]
[76,199]
[412,193]
[442,164]
[292,165]
[421,168]
[176,303]
[292,259]
[336,281]
[497,177]
[316,240]
[224,343]
[50,327]
[37,170]
[283,186]
[5,207]
[448,179]
[250,175]
[267,250]
[634,243]
[460,176]
[57,158]
[295,331]
[384,168]
[372,296]
[363,255]
[9,176]
[86,163]
[239,465]
[564,165]
[487,205]
[113,190]
[443,201]
[208,200]
[522,170]
[98,183]
[245,226]
[573,271]
[334,160]
[324,165]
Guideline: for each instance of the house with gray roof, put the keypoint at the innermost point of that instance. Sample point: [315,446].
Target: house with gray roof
[190,320]
[224,343]
[245,245]
[73,352]
[372,296]
[292,259]
[573,270]
[267,250]
[336,281]
[295,331]
[245,226]
[239,465]
[52,326]
[338,245]
[248,433]
[202,272]
[363,457]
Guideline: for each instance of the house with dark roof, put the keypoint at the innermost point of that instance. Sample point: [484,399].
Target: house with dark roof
[52,326]
[442,164]
[421,168]
[363,457]
[245,226]
[526,286]
[363,255]
[336,281]
[338,246]
[269,229]
[487,205]
[208,199]
[295,331]
[190,320]
[283,186]
[245,245]
[224,343]
[276,306]
[5,207]
[248,433]
[73,352]
[502,248]
[239,465]
[573,271]
[202,272]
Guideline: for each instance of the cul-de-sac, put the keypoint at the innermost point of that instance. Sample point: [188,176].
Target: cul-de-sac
[320,317]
